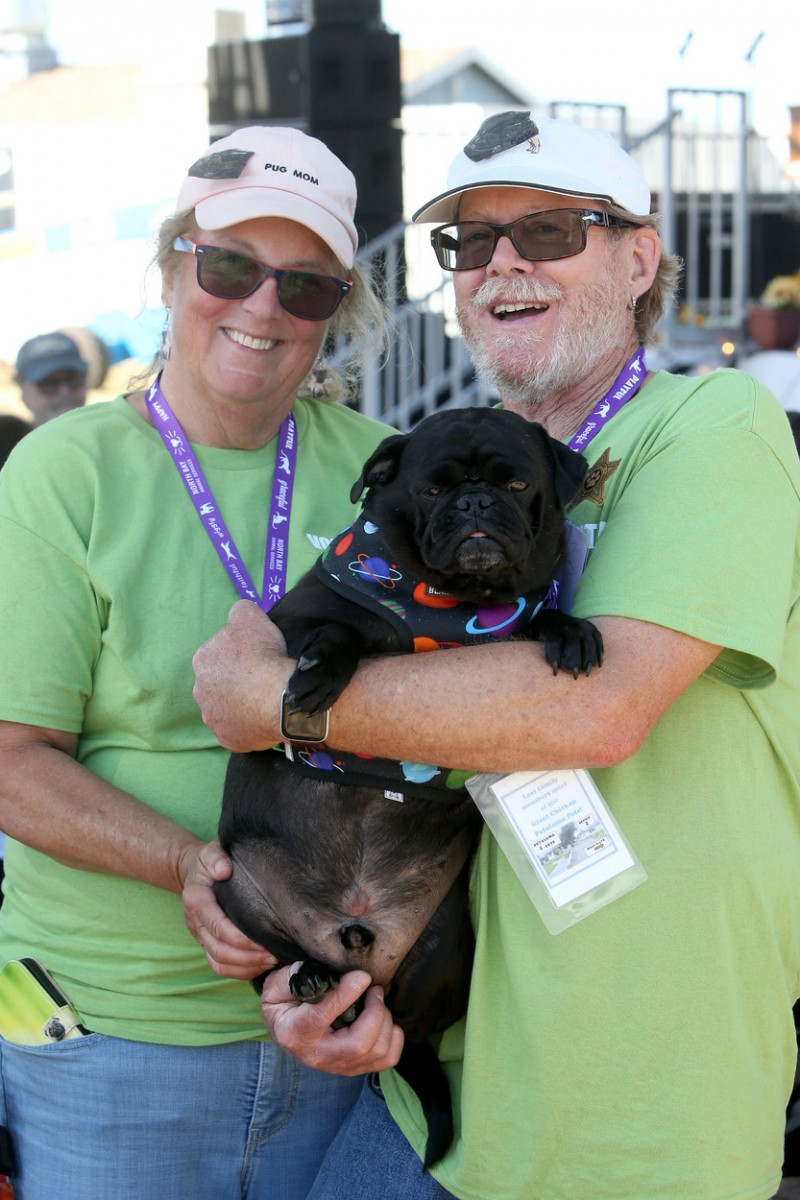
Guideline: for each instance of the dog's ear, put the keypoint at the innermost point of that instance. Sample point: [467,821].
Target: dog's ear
[381,466]
[569,471]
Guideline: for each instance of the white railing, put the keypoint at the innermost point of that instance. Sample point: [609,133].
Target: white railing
[427,366]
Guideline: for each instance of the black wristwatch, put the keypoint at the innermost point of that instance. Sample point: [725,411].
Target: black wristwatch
[299,727]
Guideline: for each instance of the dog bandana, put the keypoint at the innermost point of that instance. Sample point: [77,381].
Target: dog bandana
[359,565]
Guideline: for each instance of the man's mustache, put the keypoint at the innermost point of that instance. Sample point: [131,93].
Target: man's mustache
[520,289]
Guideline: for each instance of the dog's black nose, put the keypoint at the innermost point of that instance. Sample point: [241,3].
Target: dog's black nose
[473,501]
[356,937]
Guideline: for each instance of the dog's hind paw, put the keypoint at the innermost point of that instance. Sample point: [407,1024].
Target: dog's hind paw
[313,980]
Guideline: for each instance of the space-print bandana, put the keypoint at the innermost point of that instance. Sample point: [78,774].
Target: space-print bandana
[359,565]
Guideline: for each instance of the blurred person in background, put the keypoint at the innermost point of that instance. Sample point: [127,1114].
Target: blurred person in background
[12,429]
[52,375]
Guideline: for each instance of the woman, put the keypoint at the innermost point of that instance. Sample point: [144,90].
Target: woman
[128,529]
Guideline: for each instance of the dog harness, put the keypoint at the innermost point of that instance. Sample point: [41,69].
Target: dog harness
[359,565]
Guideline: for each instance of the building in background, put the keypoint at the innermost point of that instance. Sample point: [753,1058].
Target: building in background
[99,117]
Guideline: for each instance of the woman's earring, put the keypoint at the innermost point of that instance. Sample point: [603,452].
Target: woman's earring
[631,305]
[317,382]
[166,335]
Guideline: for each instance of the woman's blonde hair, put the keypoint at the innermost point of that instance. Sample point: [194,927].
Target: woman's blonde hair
[359,324]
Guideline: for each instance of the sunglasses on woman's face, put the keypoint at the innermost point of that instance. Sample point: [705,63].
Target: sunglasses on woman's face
[539,237]
[232,276]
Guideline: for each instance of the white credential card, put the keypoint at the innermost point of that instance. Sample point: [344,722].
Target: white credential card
[566,830]
[561,840]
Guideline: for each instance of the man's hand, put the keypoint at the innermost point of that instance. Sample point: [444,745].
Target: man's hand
[229,951]
[372,1043]
[240,674]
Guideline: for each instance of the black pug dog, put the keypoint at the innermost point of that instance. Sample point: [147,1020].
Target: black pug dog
[462,523]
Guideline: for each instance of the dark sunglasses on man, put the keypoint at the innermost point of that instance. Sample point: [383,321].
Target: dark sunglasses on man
[539,237]
[232,276]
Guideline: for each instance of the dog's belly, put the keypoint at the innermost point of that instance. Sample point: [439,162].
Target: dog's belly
[342,873]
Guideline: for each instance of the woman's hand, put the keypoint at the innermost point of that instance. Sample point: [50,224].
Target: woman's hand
[372,1043]
[229,951]
[240,674]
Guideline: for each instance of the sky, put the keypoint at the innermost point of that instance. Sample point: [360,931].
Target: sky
[566,50]
[579,50]
[629,54]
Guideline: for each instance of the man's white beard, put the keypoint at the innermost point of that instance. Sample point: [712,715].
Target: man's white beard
[521,365]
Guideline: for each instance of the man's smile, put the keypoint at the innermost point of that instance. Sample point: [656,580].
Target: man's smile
[510,310]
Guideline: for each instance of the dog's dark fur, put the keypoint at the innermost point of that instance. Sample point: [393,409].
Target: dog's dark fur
[472,501]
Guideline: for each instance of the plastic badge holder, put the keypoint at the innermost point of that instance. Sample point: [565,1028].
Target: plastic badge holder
[560,840]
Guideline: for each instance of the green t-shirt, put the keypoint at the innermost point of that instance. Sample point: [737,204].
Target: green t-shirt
[647,1052]
[108,585]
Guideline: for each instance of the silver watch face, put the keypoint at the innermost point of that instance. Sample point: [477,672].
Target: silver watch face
[298,727]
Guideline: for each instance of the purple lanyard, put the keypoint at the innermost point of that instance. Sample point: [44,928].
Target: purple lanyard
[277,551]
[623,389]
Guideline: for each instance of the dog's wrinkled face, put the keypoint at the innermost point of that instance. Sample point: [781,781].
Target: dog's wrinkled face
[473,501]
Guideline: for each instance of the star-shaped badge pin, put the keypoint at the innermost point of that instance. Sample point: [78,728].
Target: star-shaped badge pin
[594,485]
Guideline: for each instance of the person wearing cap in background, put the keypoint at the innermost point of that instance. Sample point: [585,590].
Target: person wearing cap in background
[52,376]
[127,531]
[638,1043]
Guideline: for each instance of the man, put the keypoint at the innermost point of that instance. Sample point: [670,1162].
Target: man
[51,375]
[647,1048]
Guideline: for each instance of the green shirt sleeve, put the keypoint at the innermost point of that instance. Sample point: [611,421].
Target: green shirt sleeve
[682,548]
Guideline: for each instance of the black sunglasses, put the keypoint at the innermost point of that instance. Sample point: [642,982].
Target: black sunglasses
[539,237]
[232,276]
[72,382]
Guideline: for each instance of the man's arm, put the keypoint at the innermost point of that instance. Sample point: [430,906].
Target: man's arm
[486,708]
[491,708]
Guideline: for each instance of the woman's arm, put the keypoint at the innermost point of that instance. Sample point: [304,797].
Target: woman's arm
[486,708]
[52,803]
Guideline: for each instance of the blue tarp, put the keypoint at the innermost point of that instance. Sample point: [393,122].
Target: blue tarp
[128,337]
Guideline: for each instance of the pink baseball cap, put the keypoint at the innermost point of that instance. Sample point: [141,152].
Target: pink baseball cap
[551,155]
[274,171]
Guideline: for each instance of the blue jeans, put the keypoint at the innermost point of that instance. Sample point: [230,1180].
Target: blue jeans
[98,1118]
[370,1158]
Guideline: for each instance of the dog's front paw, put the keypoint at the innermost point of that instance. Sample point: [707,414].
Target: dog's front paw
[570,643]
[326,665]
[313,980]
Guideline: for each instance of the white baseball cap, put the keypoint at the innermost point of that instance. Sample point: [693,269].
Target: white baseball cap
[274,171]
[512,150]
